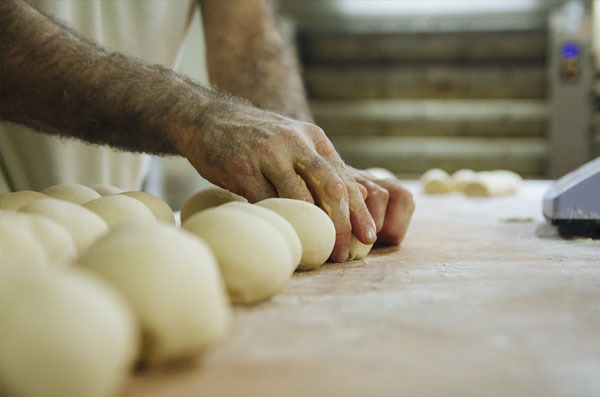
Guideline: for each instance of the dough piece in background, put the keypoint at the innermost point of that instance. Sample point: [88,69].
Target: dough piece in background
[207,198]
[279,222]
[63,334]
[72,192]
[436,181]
[117,210]
[461,178]
[84,225]
[17,200]
[32,229]
[171,280]
[313,226]
[358,250]
[254,256]
[381,173]
[494,183]
[161,210]
[106,190]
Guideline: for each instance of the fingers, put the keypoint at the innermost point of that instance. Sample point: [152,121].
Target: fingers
[398,215]
[377,199]
[288,183]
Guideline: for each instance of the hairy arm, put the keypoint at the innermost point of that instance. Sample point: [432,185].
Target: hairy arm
[250,57]
[56,82]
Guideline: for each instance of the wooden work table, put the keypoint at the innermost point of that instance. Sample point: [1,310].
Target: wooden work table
[482,299]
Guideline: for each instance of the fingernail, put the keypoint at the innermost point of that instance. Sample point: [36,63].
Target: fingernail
[371,234]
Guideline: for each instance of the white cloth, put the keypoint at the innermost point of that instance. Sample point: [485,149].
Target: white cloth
[153,30]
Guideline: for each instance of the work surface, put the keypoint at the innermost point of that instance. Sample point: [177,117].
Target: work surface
[482,299]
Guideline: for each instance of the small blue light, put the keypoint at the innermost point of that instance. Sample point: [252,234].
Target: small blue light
[570,50]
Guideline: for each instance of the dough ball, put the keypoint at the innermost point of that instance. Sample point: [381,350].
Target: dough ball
[19,249]
[106,190]
[72,192]
[494,183]
[17,200]
[381,173]
[63,334]
[30,229]
[279,222]
[118,209]
[254,256]
[161,210]
[358,250]
[313,226]
[84,225]
[172,281]
[461,178]
[436,181]
[207,198]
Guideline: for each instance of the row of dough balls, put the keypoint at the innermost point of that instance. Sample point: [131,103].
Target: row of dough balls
[112,282]
[471,183]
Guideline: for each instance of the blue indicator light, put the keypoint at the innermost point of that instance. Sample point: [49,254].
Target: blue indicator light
[570,50]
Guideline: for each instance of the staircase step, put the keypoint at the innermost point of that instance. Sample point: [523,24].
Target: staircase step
[518,81]
[411,156]
[448,117]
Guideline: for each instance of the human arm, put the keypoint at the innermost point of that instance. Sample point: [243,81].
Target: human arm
[56,82]
[248,56]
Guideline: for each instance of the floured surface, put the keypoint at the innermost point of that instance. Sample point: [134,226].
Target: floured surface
[481,299]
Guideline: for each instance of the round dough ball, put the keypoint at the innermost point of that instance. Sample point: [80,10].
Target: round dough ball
[118,210]
[207,198]
[106,190]
[161,210]
[63,334]
[279,222]
[17,200]
[358,250]
[19,249]
[494,183]
[436,181]
[461,178]
[314,227]
[254,256]
[172,281]
[30,229]
[84,225]
[72,192]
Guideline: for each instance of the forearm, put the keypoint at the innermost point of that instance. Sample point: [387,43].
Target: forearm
[248,56]
[56,82]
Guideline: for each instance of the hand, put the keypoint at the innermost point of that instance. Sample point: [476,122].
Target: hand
[390,205]
[260,154]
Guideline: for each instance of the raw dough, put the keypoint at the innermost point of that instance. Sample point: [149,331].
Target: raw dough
[172,281]
[313,226]
[84,225]
[118,209]
[207,198]
[436,181]
[25,230]
[161,210]
[19,249]
[63,334]
[279,222]
[254,256]
[494,183]
[461,178]
[107,190]
[72,192]
[17,200]
[358,250]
